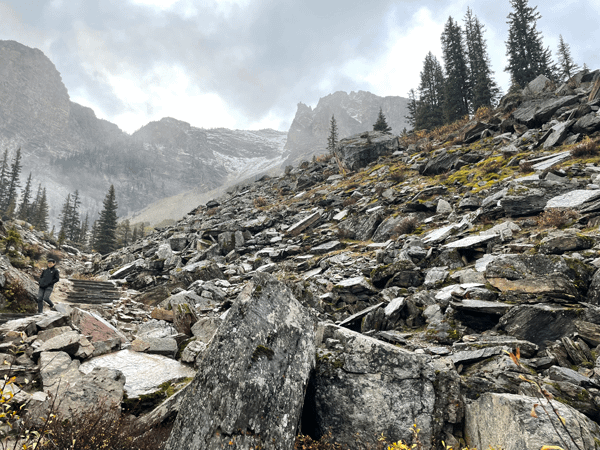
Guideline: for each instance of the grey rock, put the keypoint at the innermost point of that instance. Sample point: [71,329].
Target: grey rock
[253,376]
[205,328]
[165,346]
[326,247]
[470,242]
[490,421]
[559,133]
[538,85]
[65,342]
[566,242]
[530,202]
[540,324]
[360,227]
[573,199]
[443,207]
[143,373]
[536,112]
[360,149]
[557,373]
[480,306]
[587,124]
[356,375]
[547,162]
[303,224]
[470,356]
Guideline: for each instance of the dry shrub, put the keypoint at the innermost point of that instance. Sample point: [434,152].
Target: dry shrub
[323,158]
[557,217]
[349,201]
[99,429]
[33,251]
[17,298]
[526,167]
[398,176]
[212,211]
[484,113]
[260,202]
[406,226]
[587,147]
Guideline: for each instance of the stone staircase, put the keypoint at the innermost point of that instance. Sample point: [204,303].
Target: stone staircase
[93,292]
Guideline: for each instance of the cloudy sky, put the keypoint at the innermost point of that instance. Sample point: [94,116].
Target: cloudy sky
[247,63]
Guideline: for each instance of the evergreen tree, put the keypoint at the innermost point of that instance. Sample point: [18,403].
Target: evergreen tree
[332,140]
[13,183]
[83,230]
[3,178]
[457,89]
[568,68]
[124,232]
[412,107]
[431,95]
[484,90]
[25,206]
[73,229]
[134,234]
[106,238]
[94,233]
[65,217]
[526,55]
[381,124]
[41,213]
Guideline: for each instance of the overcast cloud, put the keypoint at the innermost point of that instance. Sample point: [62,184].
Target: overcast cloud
[247,63]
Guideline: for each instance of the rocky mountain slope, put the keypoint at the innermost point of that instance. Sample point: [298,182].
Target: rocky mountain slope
[447,280]
[66,147]
[354,113]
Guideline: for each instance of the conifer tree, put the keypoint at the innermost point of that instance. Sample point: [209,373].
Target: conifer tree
[431,95]
[134,234]
[484,90]
[332,140]
[568,68]
[106,237]
[73,229]
[25,206]
[41,213]
[83,230]
[527,57]
[4,177]
[412,107]
[13,183]
[65,217]
[381,123]
[457,88]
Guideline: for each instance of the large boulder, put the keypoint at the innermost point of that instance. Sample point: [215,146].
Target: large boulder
[363,387]
[359,150]
[507,421]
[249,390]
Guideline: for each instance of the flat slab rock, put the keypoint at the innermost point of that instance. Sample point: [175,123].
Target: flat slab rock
[471,241]
[144,373]
[573,199]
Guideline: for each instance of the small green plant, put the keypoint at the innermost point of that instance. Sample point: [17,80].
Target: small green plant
[12,242]
[17,298]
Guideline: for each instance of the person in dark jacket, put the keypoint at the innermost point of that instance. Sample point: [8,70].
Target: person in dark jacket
[48,279]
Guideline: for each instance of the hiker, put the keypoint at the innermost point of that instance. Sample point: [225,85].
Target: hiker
[48,279]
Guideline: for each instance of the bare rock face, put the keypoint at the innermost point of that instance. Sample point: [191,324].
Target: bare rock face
[366,386]
[249,391]
[505,421]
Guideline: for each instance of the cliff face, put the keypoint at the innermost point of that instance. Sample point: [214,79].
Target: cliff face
[354,112]
[66,147]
